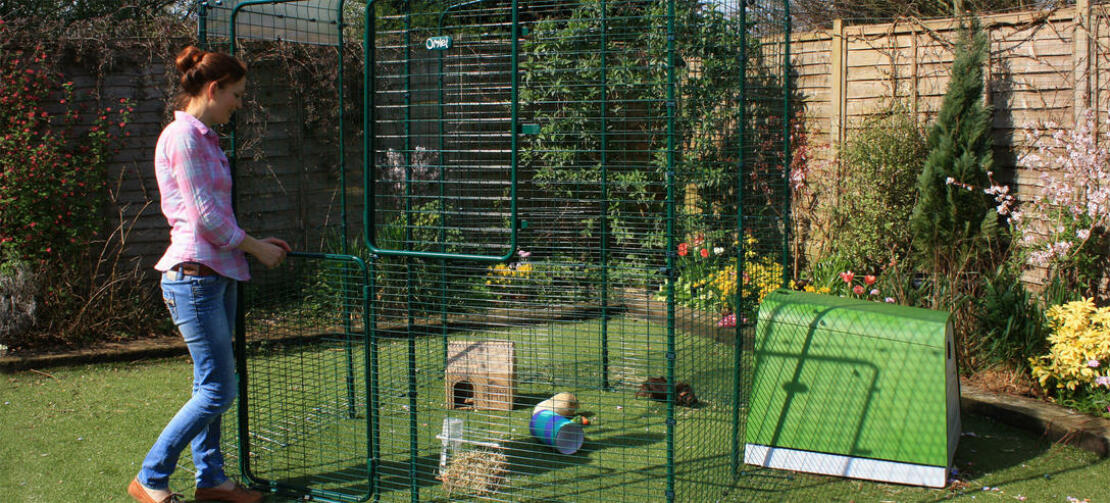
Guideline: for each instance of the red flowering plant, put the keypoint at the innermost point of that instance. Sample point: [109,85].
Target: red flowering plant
[53,161]
[833,277]
[707,277]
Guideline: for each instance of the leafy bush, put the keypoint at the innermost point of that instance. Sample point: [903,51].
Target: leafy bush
[551,281]
[53,196]
[69,10]
[1080,348]
[883,161]
[508,276]
[836,277]
[707,278]
[53,173]
[1074,370]
[1011,323]
[558,91]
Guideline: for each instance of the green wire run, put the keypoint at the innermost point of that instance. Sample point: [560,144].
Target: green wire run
[581,192]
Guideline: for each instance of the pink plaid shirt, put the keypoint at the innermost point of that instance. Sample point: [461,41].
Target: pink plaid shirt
[194,179]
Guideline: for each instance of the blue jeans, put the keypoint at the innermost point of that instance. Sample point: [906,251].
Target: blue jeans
[203,308]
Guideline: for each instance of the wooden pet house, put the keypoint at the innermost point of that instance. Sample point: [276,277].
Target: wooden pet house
[480,375]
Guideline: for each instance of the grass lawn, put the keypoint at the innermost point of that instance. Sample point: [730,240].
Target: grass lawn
[79,433]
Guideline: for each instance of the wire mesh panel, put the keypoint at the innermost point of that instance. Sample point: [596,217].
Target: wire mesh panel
[572,212]
[300,21]
[443,145]
[304,424]
[629,146]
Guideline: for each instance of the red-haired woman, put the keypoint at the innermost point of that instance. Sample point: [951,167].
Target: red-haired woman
[206,256]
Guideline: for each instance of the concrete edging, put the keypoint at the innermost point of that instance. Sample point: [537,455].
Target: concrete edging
[161,347]
[1055,423]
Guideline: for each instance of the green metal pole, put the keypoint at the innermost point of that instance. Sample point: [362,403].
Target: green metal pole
[374,446]
[369,144]
[342,141]
[738,349]
[442,200]
[671,104]
[515,128]
[414,432]
[604,199]
[240,336]
[347,332]
[369,137]
[786,270]
[202,24]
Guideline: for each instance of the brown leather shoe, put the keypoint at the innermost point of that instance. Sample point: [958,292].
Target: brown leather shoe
[136,491]
[237,494]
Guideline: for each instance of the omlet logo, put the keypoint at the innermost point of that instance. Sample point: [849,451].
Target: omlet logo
[438,43]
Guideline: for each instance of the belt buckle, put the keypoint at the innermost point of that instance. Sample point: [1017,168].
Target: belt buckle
[187,269]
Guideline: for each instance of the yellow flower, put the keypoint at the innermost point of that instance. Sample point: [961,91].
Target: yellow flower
[1080,335]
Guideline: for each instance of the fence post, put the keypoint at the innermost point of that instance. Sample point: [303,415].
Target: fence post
[1081,59]
[838,68]
[913,69]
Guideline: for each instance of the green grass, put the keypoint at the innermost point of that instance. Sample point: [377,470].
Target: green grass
[625,451]
[80,433]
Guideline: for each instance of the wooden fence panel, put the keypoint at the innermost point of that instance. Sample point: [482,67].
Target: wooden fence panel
[1044,67]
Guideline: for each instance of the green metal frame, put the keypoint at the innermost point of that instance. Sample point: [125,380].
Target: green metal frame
[371,268]
[366,414]
[240,339]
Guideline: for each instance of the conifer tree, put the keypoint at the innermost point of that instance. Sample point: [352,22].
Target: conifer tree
[953,215]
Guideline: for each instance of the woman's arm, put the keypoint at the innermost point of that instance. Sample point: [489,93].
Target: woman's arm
[193,168]
[270,251]
[193,171]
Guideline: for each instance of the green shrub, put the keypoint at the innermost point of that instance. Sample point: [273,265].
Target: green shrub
[955,220]
[882,161]
[1011,323]
[55,146]
[53,172]
[707,277]
[1075,366]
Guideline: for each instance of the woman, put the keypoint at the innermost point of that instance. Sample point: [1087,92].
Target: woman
[199,270]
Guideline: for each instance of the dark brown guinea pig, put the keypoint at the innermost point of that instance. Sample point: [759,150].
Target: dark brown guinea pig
[655,388]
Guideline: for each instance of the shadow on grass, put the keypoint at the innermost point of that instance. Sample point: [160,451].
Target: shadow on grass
[352,482]
[528,400]
[986,449]
[526,458]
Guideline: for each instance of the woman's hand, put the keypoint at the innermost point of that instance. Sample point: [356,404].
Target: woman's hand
[279,243]
[270,251]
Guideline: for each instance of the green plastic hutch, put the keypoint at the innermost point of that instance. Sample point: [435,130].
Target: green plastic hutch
[853,388]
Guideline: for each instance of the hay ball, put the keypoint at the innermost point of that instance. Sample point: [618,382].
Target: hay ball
[477,472]
[563,404]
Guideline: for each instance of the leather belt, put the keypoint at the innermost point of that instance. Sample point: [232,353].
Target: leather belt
[193,269]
